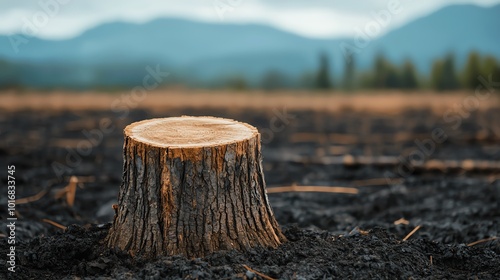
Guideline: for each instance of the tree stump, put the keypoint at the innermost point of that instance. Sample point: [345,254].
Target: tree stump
[192,186]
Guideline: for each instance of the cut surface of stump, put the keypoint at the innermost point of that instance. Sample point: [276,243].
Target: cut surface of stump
[192,186]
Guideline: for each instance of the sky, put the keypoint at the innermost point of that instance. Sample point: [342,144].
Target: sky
[60,19]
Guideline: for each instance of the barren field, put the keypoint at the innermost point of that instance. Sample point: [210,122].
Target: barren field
[386,102]
[418,175]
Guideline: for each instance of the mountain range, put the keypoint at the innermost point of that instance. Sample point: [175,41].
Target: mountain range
[118,52]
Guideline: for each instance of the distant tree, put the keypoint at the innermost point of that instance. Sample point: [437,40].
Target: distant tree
[237,83]
[274,79]
[380,71]
[437,75]
[349,73]
[4,73]
[449,75]
[365,80]
[393,79]
[443,75]
[307,80]
[323,75]
[471,71]
[9,75]
[409,76]
[385,75]
[490,66]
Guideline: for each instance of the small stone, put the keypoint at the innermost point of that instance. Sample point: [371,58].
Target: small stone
[250,275]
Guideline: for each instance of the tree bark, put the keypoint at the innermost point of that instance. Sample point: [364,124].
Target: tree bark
[192,186]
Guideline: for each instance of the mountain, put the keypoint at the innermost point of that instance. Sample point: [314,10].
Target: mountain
[168,40]
[118,52]
[202,50]
[457,29]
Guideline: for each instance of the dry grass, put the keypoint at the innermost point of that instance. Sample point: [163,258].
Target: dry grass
[323,189]
[402,221]
[69,191]
[258,273]
[390,102]
[482,241]
[57,225]
[31,198]
[412,232]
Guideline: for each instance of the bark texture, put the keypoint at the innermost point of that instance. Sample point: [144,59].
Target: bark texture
[192,200]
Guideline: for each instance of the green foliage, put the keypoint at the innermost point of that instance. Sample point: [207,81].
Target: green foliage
[349,73]
[490,66]
[382,75]
[273,80]
[450,80]
[380,69]
[409,76]
[365,80]
[237,83]
[9,75]
[443,74]
[307,80]
[385,75]
[472,71]
[477,67]
[323,75]
[437,74]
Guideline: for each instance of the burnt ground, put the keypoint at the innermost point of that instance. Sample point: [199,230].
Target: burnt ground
[453,193]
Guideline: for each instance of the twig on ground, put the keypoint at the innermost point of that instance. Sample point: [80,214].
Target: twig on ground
[54,224]
[411,233]
[258,273]
[402,221]
[326,189]
[37,196]
[69,191]
[482,241]
[31,198]
[86,179]
[70,195]
[362,232]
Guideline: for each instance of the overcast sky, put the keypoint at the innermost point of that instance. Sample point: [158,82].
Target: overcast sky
[320,18]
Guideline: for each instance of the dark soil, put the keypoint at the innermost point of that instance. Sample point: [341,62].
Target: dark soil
[341,236]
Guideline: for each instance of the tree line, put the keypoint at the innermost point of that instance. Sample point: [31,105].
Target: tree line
[383,74]
[444,75]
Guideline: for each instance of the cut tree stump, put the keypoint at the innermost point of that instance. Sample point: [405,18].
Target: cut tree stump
[192,186]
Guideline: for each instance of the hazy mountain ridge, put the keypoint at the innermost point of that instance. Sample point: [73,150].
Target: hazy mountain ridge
[210,50]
